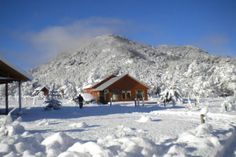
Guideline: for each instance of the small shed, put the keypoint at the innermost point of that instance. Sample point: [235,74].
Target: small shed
[8,74]
[118,88]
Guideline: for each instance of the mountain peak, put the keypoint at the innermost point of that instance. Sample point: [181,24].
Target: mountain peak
[112,37]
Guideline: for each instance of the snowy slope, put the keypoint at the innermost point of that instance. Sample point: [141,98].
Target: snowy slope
[191,69]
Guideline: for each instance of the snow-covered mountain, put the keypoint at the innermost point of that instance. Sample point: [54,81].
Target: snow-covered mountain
[188,68]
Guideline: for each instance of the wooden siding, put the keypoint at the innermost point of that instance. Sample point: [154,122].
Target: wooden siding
[125,89]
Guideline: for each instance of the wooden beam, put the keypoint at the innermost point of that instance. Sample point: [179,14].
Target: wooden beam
[19,89]
[6,98]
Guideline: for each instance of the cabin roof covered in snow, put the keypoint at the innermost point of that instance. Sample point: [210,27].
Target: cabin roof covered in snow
[40,88]
[99,83]
[113,80]
[9,72]
[109,82]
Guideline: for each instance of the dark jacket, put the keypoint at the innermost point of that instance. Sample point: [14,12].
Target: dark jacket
[80,98]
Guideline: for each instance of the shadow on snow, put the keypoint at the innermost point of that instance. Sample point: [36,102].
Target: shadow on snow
[68,112]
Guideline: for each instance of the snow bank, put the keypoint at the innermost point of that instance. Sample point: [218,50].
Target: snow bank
[201,141]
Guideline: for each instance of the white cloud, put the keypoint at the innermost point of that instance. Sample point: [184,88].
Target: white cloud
[56,39]
[218,44]
[217,40]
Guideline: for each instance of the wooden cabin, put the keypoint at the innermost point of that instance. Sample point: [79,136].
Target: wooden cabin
[118,88]
[43,89]
[10,74]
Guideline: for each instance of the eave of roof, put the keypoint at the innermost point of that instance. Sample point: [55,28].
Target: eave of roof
[16,69]
[4,80]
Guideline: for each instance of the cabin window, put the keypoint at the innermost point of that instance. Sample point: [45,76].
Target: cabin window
[123,95]
[128,94]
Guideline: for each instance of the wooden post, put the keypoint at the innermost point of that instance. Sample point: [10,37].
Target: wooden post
[202,116]
[6,98]
[19,89]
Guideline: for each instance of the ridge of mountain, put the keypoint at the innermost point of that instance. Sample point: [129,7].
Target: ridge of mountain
[191,69]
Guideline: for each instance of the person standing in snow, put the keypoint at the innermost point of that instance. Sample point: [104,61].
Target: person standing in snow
[80,100]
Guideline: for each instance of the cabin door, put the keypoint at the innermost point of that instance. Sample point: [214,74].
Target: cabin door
[139,94]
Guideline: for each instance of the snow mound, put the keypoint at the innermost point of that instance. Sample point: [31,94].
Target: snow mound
[15,141]
[129,146]
[10,128]
[201,138]
[144,119]
[57,143]
[88,149]
[79,125]
[176,151]
[113,146]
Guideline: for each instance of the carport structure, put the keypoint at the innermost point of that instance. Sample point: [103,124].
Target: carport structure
[10,74]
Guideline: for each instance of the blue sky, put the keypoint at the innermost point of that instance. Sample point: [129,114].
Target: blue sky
[31,31]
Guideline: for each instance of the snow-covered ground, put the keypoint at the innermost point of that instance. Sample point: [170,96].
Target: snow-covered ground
[120,130]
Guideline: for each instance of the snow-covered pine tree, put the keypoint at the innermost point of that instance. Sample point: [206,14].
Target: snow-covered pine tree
[52,101]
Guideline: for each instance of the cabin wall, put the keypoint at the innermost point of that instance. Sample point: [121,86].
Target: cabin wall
[126,84]
[124,89]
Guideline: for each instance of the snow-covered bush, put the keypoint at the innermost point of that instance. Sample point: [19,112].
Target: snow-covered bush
[229,104]
[226,106]
[170,95]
